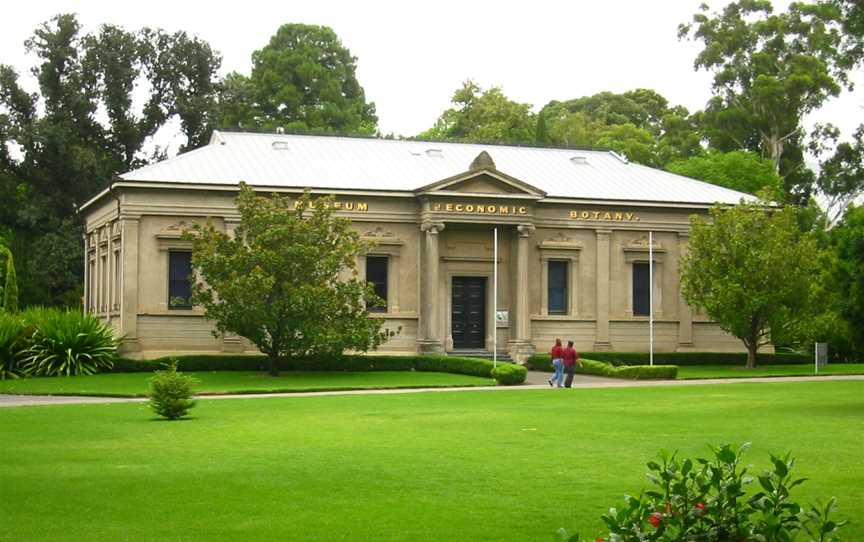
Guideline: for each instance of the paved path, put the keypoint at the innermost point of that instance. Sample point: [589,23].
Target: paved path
[535,381]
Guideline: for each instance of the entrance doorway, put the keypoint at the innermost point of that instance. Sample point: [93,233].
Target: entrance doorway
[468,312]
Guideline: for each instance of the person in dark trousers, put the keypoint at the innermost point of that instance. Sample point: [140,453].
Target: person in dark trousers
[557,365]
[570,358]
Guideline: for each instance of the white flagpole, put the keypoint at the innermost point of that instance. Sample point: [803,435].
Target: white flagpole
[495,297]
[651,296]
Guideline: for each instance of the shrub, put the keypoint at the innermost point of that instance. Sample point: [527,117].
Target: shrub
[171,392]
[635,372]
[11,342]
[543,362]
[509,374]
[706,500]
[65,342]
[444,364]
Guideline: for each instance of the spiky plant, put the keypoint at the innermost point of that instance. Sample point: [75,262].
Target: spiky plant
[66,343]
[11,343]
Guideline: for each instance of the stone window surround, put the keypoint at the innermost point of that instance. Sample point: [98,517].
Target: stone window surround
[560,249]
[639,254]
[389,246]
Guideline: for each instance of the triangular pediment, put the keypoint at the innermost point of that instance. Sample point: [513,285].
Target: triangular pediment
[484,182]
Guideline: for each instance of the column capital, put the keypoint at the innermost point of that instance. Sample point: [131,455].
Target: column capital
[525,230]
[603,232]
[432,227]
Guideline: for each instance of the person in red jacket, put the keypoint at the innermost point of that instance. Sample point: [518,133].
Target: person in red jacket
[570,358]
[557,366]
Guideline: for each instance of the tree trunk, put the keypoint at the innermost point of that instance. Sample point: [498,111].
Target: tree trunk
[751,355]
[273,368]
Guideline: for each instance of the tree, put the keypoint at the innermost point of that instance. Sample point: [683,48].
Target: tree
[277,280]
[83,126]
[483,116]
[770,69]
[739,170]
[848,243]
[841,174]
[10,286]
[303,79]
[638,123]
[751,269]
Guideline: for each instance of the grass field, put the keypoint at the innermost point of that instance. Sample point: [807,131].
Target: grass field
[731,371]
[221,382]
[504,465]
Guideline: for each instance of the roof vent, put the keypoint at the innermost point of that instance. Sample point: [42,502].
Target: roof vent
[280,146]
[434,153]
[578,160]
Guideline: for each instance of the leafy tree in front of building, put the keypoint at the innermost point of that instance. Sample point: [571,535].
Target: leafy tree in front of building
[848,243]
[751,269]
[286,280]
[304,79]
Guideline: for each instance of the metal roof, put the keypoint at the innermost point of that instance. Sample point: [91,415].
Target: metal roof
[349,163]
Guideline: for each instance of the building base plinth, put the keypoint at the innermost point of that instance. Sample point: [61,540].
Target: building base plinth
[430,347]
[520,351]
[603,346]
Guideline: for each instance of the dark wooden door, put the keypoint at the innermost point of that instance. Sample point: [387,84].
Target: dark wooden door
[469,312]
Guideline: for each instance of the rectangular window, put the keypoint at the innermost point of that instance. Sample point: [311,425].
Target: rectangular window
[376,274]
[179,280]
[641,289]
[557,287]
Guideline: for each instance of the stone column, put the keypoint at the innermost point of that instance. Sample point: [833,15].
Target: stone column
[129,287]
[231,342]
[520,316]
[430,340]
[601,333]
[87,303]
[685,313]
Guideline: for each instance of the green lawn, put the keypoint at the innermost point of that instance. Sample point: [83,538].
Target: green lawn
[503,465]
[734,371]
[136,384]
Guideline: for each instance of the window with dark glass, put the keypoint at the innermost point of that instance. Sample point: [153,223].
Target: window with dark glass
[641,289]
[376,274]
[557,287]
[179,280]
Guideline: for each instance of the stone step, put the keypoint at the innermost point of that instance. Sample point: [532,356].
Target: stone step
[478,353]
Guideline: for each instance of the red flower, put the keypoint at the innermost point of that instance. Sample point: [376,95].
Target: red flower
[599,540]
[655,518]
[700,506]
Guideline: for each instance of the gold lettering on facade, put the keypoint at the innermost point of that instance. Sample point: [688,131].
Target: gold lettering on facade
[339,205]
[482,209]
[604,216]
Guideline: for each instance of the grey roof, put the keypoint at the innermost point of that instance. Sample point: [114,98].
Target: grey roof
[348,163]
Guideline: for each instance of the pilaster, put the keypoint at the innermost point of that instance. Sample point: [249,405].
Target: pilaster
[430,319]
[601,338]
[129,300]
[685,312]
[520,344]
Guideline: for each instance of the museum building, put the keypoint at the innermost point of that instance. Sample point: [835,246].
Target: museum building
[573,251]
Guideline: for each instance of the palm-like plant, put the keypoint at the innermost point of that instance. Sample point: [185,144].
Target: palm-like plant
[65,343]
[11,340]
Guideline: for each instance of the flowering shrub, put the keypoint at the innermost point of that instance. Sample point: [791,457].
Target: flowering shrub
[706,501]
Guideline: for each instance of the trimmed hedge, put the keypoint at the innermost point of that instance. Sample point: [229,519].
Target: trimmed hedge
[509,374]
[543,362]
[213,362]
[631,372]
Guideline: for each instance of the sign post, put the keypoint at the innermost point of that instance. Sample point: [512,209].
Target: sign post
[820,356]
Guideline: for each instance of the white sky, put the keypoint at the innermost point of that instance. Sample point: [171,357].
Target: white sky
[412,56]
